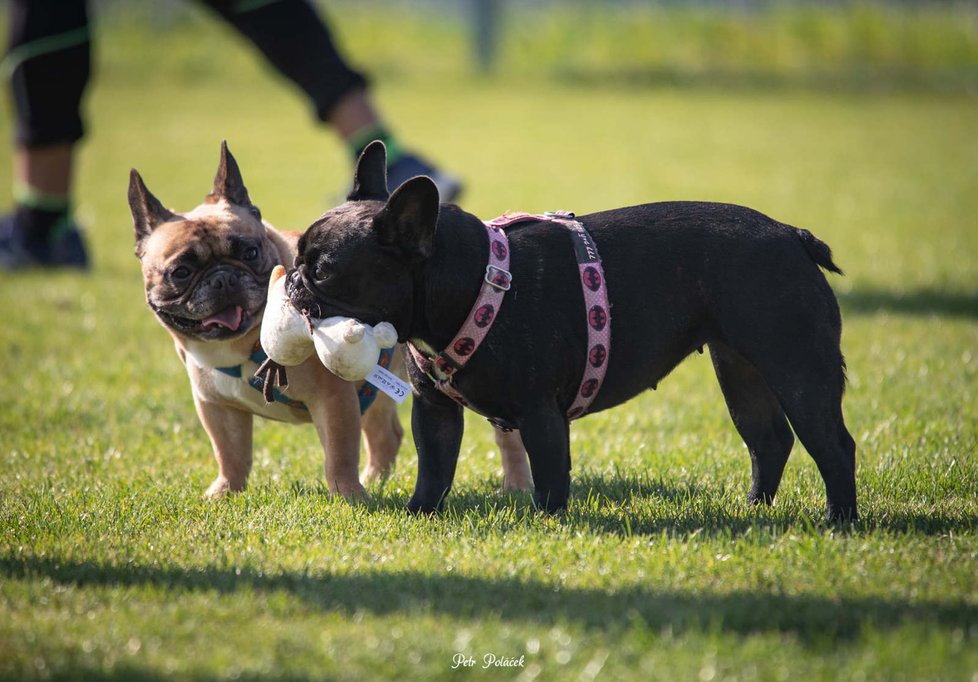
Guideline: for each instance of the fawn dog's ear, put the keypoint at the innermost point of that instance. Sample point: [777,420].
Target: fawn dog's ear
[147,211]
[229,185]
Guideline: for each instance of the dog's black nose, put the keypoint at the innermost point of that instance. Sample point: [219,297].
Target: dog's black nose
[224,280]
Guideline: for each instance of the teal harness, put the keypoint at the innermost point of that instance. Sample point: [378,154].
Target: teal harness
[367,393]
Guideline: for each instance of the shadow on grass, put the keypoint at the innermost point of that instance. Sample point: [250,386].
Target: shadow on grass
[917,302]
[814,620]
[636,505]
[706,510]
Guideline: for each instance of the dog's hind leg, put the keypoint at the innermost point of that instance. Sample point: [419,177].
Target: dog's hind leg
[809,387]
[759,419]
[516,468]
[546,435]
[382,435]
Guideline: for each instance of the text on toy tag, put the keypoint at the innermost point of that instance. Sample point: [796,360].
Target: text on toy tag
[389,383]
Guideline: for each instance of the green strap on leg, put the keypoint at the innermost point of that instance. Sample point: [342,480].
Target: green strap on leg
[45,45]
[25,195]
[359,141]
[32,198]
[242,6]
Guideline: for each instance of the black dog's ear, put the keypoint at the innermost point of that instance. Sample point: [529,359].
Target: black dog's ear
[300,250]
[409,218]
[228,183]
[370,177]
[147,211]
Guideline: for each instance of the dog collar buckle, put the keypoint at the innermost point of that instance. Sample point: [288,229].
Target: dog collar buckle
[498,278]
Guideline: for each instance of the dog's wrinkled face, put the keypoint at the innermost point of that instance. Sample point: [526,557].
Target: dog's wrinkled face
[343,269]
[206,272]
[359,260]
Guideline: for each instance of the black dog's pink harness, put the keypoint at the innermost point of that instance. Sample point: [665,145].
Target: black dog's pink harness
[497,282]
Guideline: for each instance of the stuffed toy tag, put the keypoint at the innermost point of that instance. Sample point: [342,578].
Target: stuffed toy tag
[389,383]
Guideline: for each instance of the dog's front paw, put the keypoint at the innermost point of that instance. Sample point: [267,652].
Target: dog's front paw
[549,502]
[517,476]
[517,485]
[351,492]
[221,487]
[376,473]
[421,509]
[426,502]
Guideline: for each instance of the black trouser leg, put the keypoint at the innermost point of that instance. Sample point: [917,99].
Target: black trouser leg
[296,41]
[49,62]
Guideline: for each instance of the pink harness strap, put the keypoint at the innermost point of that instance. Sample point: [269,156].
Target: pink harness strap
[598,315]
[497,282]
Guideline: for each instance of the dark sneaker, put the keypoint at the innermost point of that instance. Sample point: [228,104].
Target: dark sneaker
[66,251]
[407,166]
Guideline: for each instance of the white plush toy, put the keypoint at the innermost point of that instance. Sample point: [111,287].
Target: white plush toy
[346,347]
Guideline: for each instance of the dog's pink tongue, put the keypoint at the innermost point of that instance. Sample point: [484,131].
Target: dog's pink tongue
[229,317]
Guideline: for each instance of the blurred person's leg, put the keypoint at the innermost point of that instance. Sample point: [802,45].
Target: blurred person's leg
[296,41]
[48,63]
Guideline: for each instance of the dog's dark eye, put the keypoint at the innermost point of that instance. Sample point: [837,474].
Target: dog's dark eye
[251,253]
[180,272]
[323,272]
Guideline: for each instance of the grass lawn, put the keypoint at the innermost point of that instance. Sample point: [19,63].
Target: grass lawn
[111,566]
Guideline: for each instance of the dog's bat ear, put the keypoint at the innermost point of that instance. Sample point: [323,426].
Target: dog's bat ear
[147,211]
[370,177]
[228,183]
[408,220]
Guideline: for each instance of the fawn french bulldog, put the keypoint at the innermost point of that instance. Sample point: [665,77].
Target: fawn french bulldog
[206,275]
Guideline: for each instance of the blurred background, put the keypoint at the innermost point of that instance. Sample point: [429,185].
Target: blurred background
[539,105]
[885,45]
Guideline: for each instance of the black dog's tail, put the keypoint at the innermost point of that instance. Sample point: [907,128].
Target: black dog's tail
[817,249]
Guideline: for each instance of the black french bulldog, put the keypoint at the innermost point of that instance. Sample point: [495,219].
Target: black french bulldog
[680,275]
